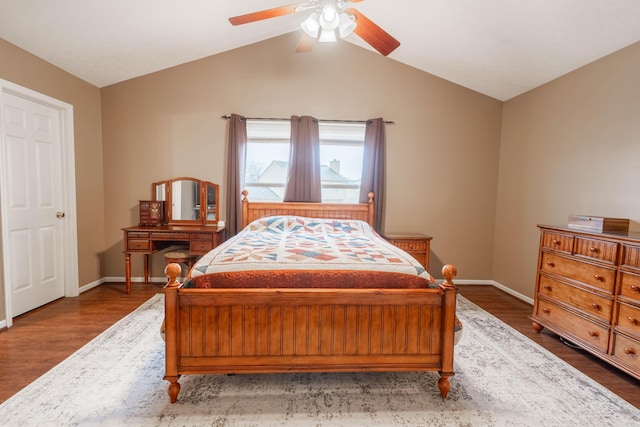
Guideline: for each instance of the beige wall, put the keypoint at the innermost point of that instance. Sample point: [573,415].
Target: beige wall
[571,146]
[442,152]
[22,68]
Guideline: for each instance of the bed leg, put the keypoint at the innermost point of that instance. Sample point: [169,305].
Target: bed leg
[171,330]
[444,385]
[174,388]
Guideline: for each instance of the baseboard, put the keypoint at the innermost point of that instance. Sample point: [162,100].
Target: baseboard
[92,285]
[116,279]
[494,284]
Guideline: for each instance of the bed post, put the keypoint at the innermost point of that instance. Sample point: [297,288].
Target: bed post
[448,330]
[172,271]
[370,213]
[245,209]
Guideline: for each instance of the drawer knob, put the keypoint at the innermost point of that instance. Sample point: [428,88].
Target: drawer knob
[594,334]
[596,306]
[635,288]
[547,287]
[632,320]
[628,350]
[594,250]
[598,277]
[551,263]
[546,310]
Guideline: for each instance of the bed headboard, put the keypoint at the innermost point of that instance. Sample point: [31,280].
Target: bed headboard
[256,210]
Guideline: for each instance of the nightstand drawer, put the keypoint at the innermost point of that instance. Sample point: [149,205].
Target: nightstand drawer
[410,245]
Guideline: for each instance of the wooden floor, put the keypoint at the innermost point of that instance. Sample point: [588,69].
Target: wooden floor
[42,338]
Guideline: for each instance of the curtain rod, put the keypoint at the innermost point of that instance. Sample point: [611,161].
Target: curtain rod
[386,122]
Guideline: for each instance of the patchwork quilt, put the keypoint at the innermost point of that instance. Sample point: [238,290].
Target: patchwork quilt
[293,251]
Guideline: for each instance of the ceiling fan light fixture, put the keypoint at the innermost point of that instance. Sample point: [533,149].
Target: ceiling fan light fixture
[347,25]
[328,36]
[329,18]
[311,25]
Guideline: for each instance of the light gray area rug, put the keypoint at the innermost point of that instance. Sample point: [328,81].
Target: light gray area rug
[502,379]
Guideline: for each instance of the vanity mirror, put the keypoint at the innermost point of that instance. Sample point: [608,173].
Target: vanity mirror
[188,201]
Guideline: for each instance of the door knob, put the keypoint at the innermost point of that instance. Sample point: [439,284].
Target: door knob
[59,215]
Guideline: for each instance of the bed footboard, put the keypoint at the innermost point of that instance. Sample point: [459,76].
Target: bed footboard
[221,331]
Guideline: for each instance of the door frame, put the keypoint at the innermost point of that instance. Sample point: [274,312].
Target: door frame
[68,193]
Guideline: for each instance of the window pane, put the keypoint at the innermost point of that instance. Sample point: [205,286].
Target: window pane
[341,154]
[267,159]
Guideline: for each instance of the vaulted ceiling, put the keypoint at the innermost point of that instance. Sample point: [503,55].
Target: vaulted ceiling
[500,48]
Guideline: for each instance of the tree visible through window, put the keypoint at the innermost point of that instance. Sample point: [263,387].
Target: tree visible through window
[341,156]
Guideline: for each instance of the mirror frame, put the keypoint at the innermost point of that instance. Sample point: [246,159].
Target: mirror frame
[168,203]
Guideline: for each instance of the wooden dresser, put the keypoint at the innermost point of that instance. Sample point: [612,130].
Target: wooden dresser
[416,244]
[588,292]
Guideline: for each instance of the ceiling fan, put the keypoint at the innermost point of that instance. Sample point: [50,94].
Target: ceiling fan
[328,18]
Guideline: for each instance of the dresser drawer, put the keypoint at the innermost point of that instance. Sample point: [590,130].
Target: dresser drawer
[557,241]
[631,256]
[170,236]
[599,277]
[627,351]
[138,245]
[588,332]
[203,237]
[200,247]
[630,285]
[629,318]
[600,250]
[586,301]
[137,234]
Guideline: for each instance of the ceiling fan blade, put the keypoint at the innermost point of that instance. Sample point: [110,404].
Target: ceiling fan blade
[368,31]
[306,43]
[264,14]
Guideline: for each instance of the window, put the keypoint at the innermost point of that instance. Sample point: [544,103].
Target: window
[341,154]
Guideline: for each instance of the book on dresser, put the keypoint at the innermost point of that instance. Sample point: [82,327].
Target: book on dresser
[588,292]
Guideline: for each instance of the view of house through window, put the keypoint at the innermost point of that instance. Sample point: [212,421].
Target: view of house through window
[341,155]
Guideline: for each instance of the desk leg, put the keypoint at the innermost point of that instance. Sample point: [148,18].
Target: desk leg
[146,269]
[127,271]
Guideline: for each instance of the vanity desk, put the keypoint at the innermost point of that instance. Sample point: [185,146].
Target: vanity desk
[190,219]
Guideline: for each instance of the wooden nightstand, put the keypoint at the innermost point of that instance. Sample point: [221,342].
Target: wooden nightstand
[415,244]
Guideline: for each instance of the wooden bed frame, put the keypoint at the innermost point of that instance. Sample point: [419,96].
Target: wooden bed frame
[225,331]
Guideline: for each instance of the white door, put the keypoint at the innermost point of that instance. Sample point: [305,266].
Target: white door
[34,222]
